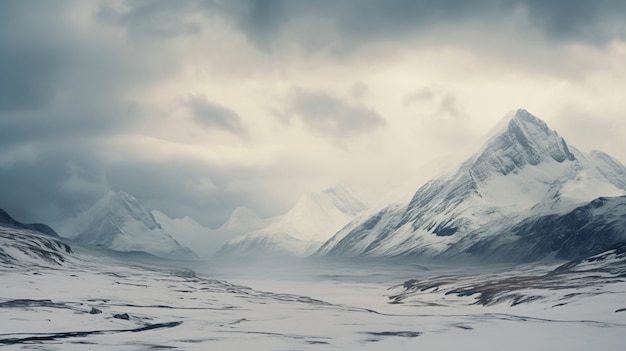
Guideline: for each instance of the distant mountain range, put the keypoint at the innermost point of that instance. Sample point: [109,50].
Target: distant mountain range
[206,241]
[526,195]
[118,222]
[315,217]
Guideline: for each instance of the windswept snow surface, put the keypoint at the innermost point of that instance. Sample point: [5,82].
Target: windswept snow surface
[53,297]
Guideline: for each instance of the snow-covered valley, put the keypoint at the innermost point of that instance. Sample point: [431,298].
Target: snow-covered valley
[54,297]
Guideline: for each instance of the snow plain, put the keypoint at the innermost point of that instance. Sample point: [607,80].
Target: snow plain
[303,305]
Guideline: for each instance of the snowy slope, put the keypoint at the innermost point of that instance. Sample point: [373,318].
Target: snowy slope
[119,222]
[9,222]
[25,248]
[314,219]
[524,170]
[206,241]
[589,229]
[243,220]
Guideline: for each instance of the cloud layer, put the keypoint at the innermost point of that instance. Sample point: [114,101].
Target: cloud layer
[197,107]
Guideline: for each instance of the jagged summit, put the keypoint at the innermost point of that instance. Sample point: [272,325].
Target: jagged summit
[118,221]
[315,217]
[243,220]
[526,140]
[515,169]
[116,202]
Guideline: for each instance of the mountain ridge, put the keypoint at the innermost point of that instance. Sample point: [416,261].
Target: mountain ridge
[7,221]
[119,222]
[314,218]
[524,170]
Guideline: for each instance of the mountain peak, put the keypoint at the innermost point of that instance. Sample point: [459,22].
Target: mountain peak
[525,140]
[119,222]
[522,116]
[117,202]
[119,197]
[243,220]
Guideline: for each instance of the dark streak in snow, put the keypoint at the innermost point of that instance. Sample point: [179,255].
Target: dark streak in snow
[75,334]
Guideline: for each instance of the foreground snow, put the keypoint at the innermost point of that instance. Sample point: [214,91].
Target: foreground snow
[46,300]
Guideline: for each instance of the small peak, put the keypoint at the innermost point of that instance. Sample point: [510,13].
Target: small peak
[242,218]
[243,212]
[525,118]
[119,196]
[523,140]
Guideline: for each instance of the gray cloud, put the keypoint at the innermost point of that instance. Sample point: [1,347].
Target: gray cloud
[66,181]
[424,94]
[152,19]
[357,22]
[58,82]
[30,63]
[344,25]
[330,116]
[212,115]
[446,103]
[579,20]
[67,85]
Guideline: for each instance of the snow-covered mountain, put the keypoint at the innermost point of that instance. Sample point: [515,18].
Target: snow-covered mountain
[118,222]
[188,233]
[525,170]
[592,228]
[8,222]
[315,217]
[243,220]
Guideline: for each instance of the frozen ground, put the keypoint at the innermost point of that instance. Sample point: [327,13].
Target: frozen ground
[47,294]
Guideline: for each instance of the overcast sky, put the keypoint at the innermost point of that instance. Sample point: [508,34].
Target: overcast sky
[198,107]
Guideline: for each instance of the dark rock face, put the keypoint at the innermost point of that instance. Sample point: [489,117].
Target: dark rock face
[590,229]
[35,245]
[587,230]
[121,316]
[95,311]
[7,221]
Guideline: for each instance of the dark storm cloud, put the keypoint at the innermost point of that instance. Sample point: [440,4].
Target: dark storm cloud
[62,92]
[330,116]
[178,187]
[212,115]
[49,187]
[65,182]
[343,25]
[579,20]
[358,22]
[57,81]
[155,18]
[31,61]
[65,84]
